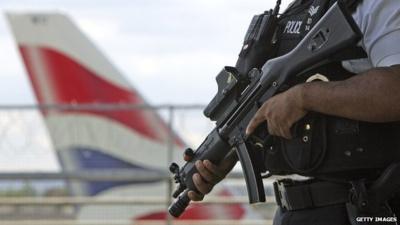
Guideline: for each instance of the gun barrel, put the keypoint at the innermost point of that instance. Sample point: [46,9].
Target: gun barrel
[178,207]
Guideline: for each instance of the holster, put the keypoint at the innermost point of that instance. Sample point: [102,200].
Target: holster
[375,199]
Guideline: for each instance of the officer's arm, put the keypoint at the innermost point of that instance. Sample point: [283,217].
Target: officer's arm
[373,96]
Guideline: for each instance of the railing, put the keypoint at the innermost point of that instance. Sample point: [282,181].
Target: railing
[20,203]
[32,201]
[148,222]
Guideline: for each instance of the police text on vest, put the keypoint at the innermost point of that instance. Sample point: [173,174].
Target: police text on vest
[293,27]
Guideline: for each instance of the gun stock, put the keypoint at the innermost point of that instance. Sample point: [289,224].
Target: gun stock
[334,32]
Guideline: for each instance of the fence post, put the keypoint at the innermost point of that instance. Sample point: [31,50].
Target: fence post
[170,156]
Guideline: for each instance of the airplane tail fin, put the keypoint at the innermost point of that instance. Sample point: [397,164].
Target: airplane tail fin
[65,67]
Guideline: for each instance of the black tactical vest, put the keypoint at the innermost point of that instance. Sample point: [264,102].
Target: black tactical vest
[327,146]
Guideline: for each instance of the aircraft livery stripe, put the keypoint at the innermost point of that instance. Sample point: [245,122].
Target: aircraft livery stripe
[90,159]
[70,82]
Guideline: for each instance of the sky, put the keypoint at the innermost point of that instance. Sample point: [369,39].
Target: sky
[170,50]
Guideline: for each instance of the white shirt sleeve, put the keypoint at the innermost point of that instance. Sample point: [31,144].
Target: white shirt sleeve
[379,21]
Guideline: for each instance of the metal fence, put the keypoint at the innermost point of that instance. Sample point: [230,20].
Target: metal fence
[24,137]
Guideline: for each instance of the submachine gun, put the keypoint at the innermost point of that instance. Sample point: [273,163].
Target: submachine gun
[241,93]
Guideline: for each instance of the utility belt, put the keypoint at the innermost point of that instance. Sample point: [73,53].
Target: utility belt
[296,195]
[362,198]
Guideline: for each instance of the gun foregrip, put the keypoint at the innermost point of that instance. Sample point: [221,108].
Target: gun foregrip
[215,149]
[178,207]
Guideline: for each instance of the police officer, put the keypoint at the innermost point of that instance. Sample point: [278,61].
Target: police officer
[372,96]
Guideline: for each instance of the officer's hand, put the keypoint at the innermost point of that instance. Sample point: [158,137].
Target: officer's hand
[209,175]
[280,112]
